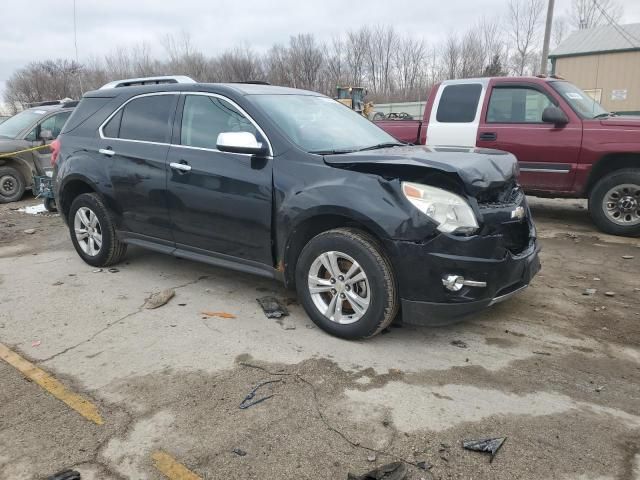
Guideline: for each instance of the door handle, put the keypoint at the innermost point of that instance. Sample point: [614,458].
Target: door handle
[107,151]
[181,167]
[489,136]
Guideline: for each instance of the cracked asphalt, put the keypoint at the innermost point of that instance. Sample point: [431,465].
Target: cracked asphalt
[555,371]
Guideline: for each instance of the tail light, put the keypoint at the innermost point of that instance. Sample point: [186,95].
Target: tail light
[55,151]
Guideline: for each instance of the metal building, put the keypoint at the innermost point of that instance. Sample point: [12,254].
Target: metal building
[605,62]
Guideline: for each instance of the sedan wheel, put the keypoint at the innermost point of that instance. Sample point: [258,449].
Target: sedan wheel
[88,231]
[339,287]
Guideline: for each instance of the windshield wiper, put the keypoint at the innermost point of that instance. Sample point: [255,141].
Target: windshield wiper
[381,145]
[605,114]
[332,152]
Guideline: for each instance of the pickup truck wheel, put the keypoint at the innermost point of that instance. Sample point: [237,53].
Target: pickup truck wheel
[12,185]
[346,284]
[93,232]
[614,203]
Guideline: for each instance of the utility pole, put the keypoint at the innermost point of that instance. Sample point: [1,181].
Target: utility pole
[547,37]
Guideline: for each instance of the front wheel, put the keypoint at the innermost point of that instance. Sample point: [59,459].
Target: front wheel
[93,232]
[346,284]
[614,203]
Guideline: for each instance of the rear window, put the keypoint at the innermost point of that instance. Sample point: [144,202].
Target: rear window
[148,118]
[459,103]
[85,110]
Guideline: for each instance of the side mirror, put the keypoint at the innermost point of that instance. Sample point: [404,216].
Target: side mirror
[554,115]
[46,135]
[240,142]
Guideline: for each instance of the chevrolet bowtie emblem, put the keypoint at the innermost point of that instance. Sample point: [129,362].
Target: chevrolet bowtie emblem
[518,213]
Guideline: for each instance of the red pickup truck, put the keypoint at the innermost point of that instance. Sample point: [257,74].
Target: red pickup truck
[566,143]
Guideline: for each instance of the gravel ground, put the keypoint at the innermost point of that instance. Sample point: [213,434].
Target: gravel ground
[555,371]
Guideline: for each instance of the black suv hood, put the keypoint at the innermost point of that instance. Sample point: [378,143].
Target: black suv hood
[478,168]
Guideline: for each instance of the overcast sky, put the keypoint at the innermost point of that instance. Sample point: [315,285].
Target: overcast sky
[43,29]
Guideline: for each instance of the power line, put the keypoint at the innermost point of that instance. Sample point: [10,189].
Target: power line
[619,28]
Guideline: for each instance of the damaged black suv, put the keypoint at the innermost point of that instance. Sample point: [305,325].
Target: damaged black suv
[290,184]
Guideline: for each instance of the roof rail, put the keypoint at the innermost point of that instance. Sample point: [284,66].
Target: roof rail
[253,82]
[130,82]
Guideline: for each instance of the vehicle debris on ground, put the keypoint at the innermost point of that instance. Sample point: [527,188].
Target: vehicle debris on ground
[272,307]
[159,299]
[485,445]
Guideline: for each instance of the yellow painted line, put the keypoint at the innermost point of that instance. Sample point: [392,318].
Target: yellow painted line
[171,468]
[80,404]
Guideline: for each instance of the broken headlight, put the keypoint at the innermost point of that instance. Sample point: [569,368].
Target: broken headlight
[450,211]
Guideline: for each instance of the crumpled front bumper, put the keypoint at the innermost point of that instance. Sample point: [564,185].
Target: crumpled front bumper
[420,268]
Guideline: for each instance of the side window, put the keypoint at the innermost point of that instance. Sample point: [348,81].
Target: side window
[516,105]
[147,118]
[205,117]
[112,128]
[459,103]
[54,123]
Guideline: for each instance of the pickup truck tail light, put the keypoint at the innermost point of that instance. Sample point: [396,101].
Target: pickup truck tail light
[55,151]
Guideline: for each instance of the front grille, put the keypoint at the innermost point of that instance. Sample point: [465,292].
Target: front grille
[516,236]
[501,197]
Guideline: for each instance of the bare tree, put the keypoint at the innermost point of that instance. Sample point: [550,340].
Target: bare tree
[40,81]
[590,13]
[380,51]
[357,44]
[306,60]
[558,31]
[524,22]
[471,54]
[451,57]
[409,65]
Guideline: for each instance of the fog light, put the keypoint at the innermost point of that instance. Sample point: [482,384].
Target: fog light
[454,283]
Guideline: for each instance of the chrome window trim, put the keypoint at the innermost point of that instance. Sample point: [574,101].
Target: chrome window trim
[237,107]
[101,127]
[208,94]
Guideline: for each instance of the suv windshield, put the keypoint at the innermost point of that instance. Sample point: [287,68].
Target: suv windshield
[582,103]
[322,125]
[16,124]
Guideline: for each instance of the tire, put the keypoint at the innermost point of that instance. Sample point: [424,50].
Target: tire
[614,203]
[50,205]
[12,185]
[348,247]
[111,250]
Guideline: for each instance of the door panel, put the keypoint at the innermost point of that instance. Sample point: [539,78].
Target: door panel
[135,143]
[222,204]
[218,202]
[547,154]
[138,175]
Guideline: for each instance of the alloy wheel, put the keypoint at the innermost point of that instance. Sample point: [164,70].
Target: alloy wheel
[88,231]
[339,287]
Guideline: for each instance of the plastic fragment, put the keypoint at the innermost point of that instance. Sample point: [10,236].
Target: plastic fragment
[458,343]
[65,475]
[218,314]
[391,471]
[485,445]
[272,307]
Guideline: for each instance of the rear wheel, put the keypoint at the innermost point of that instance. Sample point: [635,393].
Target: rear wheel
[346,284]
[12,185]
[614,203]
[93,232]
